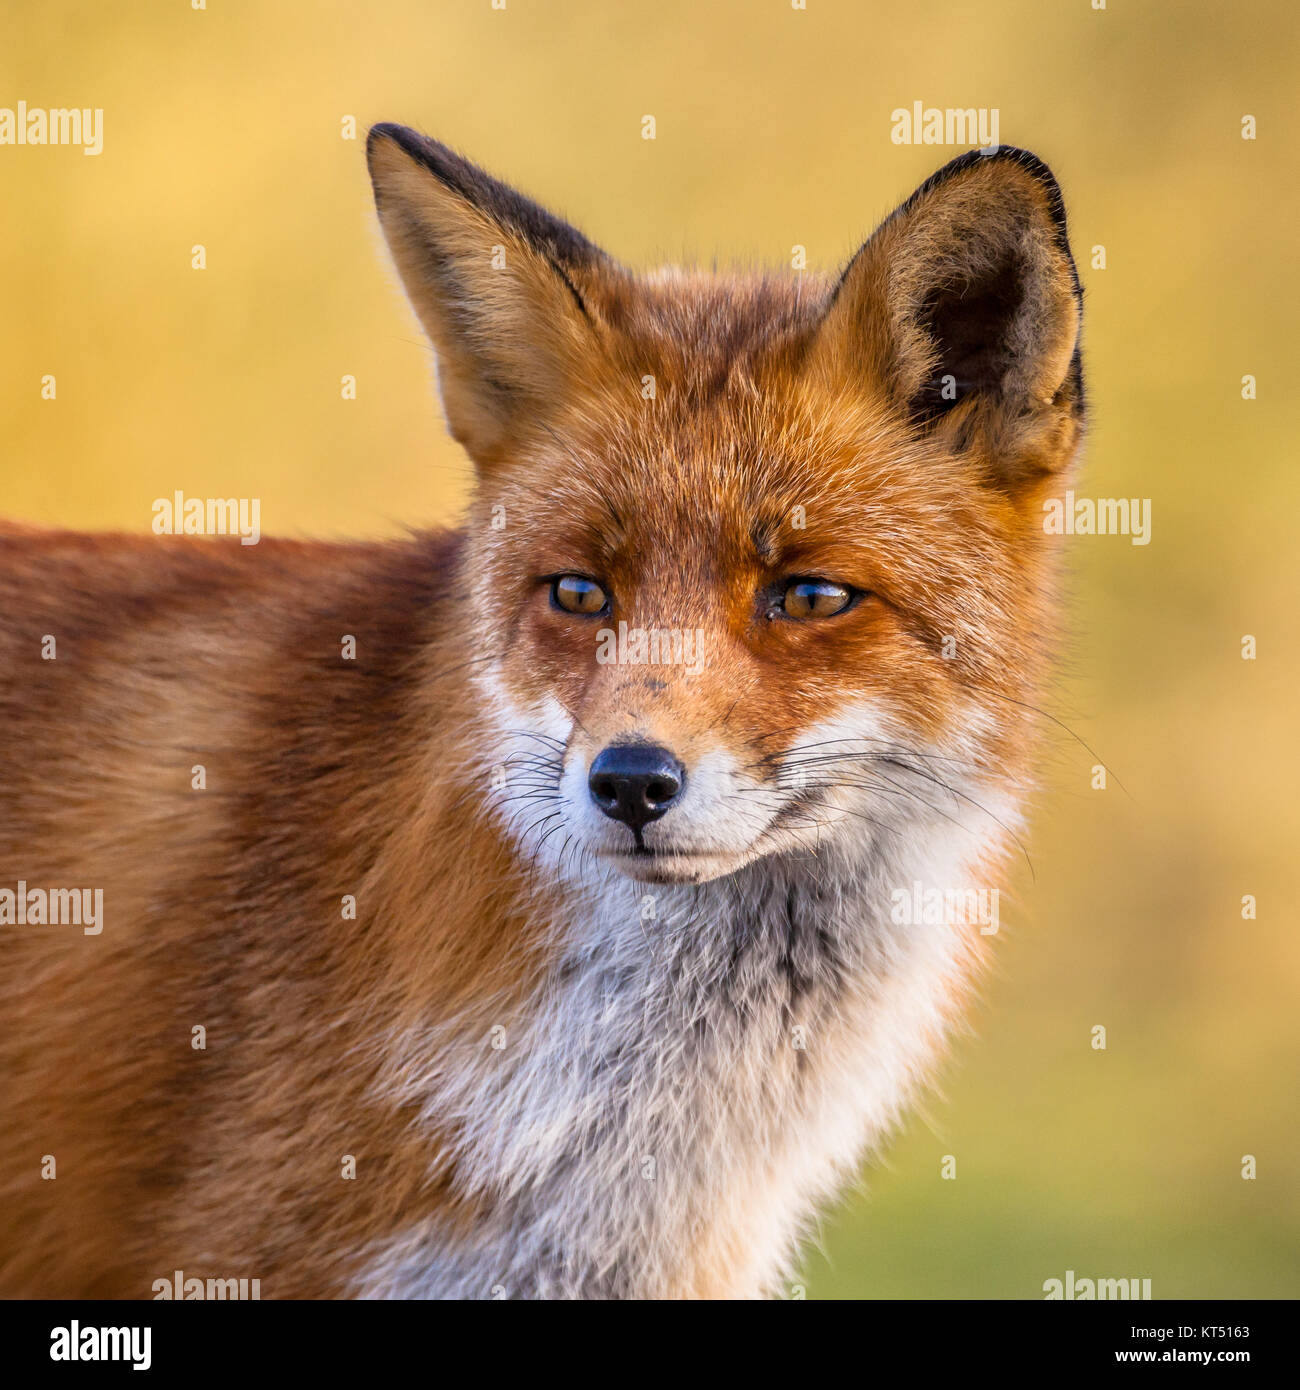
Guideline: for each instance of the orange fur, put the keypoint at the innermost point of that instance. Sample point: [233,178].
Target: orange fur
[773,399]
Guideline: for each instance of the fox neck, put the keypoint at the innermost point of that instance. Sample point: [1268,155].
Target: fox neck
[658,1103]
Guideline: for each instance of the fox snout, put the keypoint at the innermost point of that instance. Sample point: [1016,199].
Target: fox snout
[635,783]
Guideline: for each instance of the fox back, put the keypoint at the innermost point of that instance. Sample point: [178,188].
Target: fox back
[525,910]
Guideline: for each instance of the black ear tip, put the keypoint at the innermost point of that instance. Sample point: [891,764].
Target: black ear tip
[1027,160]
[448,167]
[419,147]
[498,200]
[439,159]
[385,133]
[1038,168]
[1001,154]
[386,130]
[1028,163]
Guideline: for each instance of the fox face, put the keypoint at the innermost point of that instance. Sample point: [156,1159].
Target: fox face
[756,564]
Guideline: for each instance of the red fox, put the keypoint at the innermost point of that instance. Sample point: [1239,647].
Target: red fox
[513,911]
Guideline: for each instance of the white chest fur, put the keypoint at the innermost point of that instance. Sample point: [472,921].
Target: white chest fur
[703,1067]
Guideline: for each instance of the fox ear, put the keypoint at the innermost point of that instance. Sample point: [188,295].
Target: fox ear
[502,287]
[964,307]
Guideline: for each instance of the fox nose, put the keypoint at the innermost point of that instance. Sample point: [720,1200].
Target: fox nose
[635,782]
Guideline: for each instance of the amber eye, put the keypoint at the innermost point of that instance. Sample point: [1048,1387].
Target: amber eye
[575,594]
[815,598]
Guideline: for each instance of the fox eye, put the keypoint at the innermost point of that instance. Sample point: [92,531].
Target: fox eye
[576,594]
[815,598]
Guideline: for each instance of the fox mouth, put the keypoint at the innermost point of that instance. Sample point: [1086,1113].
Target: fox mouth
[647,865]
[666,864]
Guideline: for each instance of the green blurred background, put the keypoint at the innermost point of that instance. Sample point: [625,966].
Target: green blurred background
[225,127]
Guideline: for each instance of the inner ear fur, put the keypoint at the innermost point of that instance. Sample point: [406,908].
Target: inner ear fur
[506,291]
[963,309]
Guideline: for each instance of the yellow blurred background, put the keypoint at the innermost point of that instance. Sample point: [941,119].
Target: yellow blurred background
[225,127]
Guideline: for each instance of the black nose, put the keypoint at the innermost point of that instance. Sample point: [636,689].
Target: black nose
[635,782]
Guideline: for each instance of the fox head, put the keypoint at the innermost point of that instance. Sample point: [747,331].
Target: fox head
[756,564]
